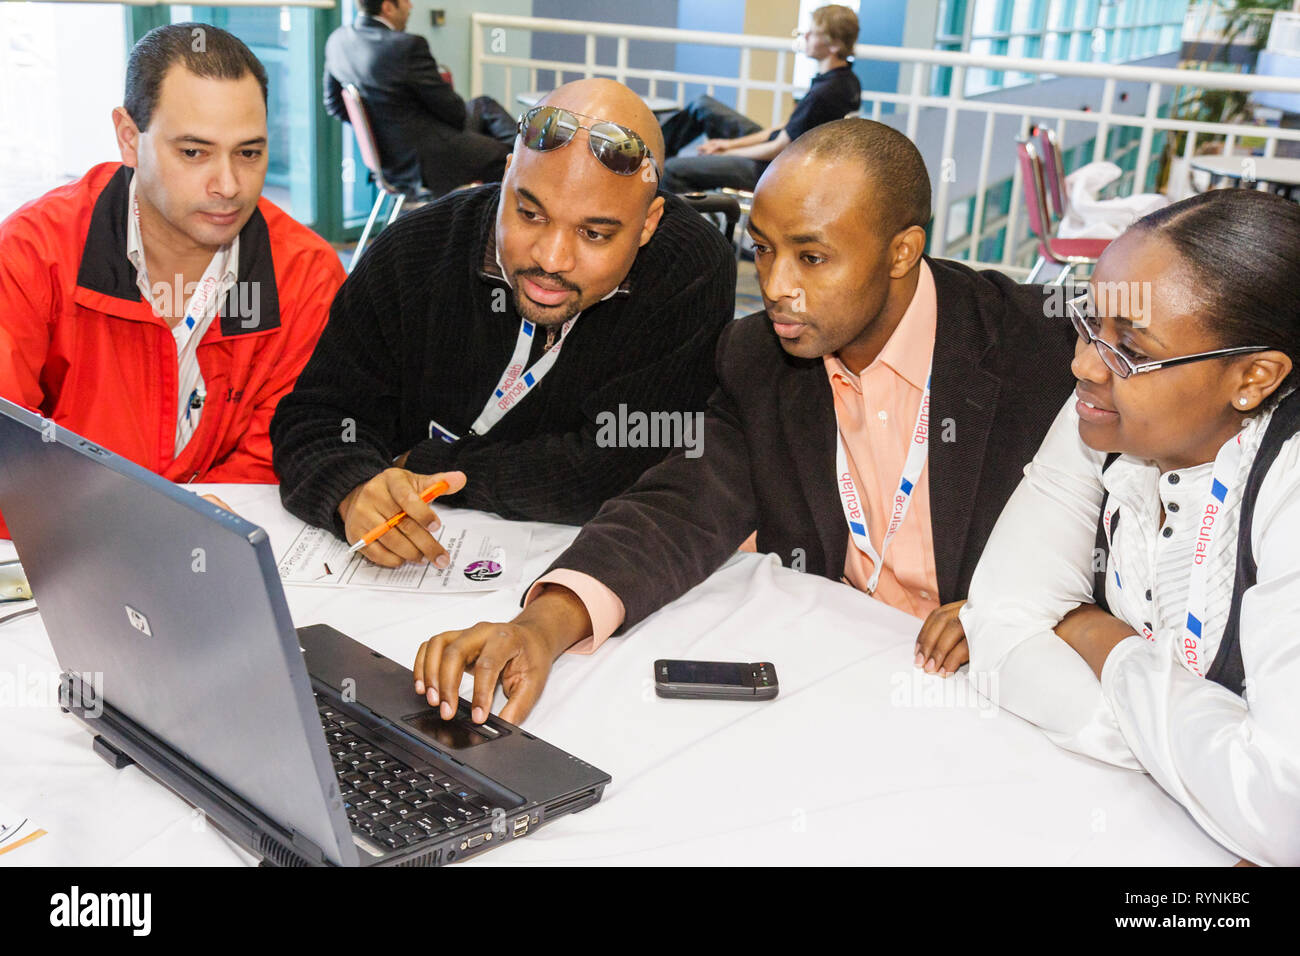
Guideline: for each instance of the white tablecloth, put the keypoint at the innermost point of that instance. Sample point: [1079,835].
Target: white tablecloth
[859,760]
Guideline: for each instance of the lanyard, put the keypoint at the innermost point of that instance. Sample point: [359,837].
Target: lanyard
[516,382]
[206,299]
[1226,466]
[204,304]
[202,299]
[854,513]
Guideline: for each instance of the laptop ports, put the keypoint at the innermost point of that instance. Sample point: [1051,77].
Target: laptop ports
[521,825]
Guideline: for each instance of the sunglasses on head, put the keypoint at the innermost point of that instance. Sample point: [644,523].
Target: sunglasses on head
[619,149]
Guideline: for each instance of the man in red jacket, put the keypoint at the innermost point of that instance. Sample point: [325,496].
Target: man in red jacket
[159,306]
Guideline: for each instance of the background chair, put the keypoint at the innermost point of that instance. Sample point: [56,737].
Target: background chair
[1068,254]
[1049,150]
[745,199]
[708,204]
[365,136]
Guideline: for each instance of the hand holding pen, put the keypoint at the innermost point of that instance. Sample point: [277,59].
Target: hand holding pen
[390,520]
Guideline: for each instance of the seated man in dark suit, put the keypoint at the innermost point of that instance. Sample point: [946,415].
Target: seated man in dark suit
[425,132]
[884,403]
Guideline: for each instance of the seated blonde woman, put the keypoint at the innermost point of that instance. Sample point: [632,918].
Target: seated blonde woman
[1139,598]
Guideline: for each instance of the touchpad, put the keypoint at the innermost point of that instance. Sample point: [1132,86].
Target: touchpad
[455,734]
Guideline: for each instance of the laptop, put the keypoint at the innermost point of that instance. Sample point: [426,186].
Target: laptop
[178,654]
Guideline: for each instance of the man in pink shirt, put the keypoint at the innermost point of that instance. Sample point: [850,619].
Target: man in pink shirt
[870,424]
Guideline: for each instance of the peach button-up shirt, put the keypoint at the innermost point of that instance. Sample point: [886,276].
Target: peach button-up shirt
[876,411]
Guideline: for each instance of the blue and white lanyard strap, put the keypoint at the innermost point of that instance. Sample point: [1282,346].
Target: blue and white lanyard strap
[206,296]
[211,286]
[1227,464]
[203,307]
[854,508]
[516,381]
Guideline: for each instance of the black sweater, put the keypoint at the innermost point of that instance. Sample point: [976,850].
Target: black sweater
[413,336]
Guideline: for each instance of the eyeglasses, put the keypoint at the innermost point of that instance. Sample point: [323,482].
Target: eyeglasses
[619,149]
[1089,327]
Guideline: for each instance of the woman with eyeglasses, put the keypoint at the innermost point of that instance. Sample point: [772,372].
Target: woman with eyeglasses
[1139,598]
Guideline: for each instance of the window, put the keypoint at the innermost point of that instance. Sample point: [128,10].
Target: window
[282,38]
[1106,31]
[57,121]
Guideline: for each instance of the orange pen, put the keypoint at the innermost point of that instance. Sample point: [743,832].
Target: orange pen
[374,534]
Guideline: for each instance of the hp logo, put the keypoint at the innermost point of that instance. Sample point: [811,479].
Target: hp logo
[138,620]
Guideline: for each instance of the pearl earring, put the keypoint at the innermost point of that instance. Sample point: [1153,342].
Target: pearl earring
[1241,401]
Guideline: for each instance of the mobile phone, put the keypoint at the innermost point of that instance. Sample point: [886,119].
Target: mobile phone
[715,680]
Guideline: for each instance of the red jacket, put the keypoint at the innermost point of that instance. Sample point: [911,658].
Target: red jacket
[80,346]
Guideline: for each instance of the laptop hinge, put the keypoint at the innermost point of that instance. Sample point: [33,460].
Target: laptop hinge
[114,757]
[306,848]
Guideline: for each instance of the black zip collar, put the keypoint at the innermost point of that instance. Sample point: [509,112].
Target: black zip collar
[252,304]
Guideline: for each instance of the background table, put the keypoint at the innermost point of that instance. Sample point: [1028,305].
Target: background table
[1280,172]
[861,759]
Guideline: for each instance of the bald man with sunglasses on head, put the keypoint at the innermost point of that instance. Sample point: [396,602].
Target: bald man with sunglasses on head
[481,338]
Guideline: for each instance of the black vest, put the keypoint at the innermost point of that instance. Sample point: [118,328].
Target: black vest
[1226,668]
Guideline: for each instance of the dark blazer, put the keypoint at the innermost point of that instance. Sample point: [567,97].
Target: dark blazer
[1001,374]
[418,119]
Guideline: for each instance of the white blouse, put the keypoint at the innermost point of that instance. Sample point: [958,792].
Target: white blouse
[1233,763]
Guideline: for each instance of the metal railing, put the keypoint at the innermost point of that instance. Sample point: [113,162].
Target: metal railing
[929,120]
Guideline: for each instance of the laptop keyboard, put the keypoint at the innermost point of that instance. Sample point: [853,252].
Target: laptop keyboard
[392,803]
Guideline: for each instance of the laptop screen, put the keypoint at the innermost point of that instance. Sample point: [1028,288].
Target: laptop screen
[174,605]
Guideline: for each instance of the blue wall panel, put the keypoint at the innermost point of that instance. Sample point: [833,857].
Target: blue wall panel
[718,16]
[881,23]
[642,55]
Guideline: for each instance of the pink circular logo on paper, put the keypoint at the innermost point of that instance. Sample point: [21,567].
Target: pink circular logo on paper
[483,571]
